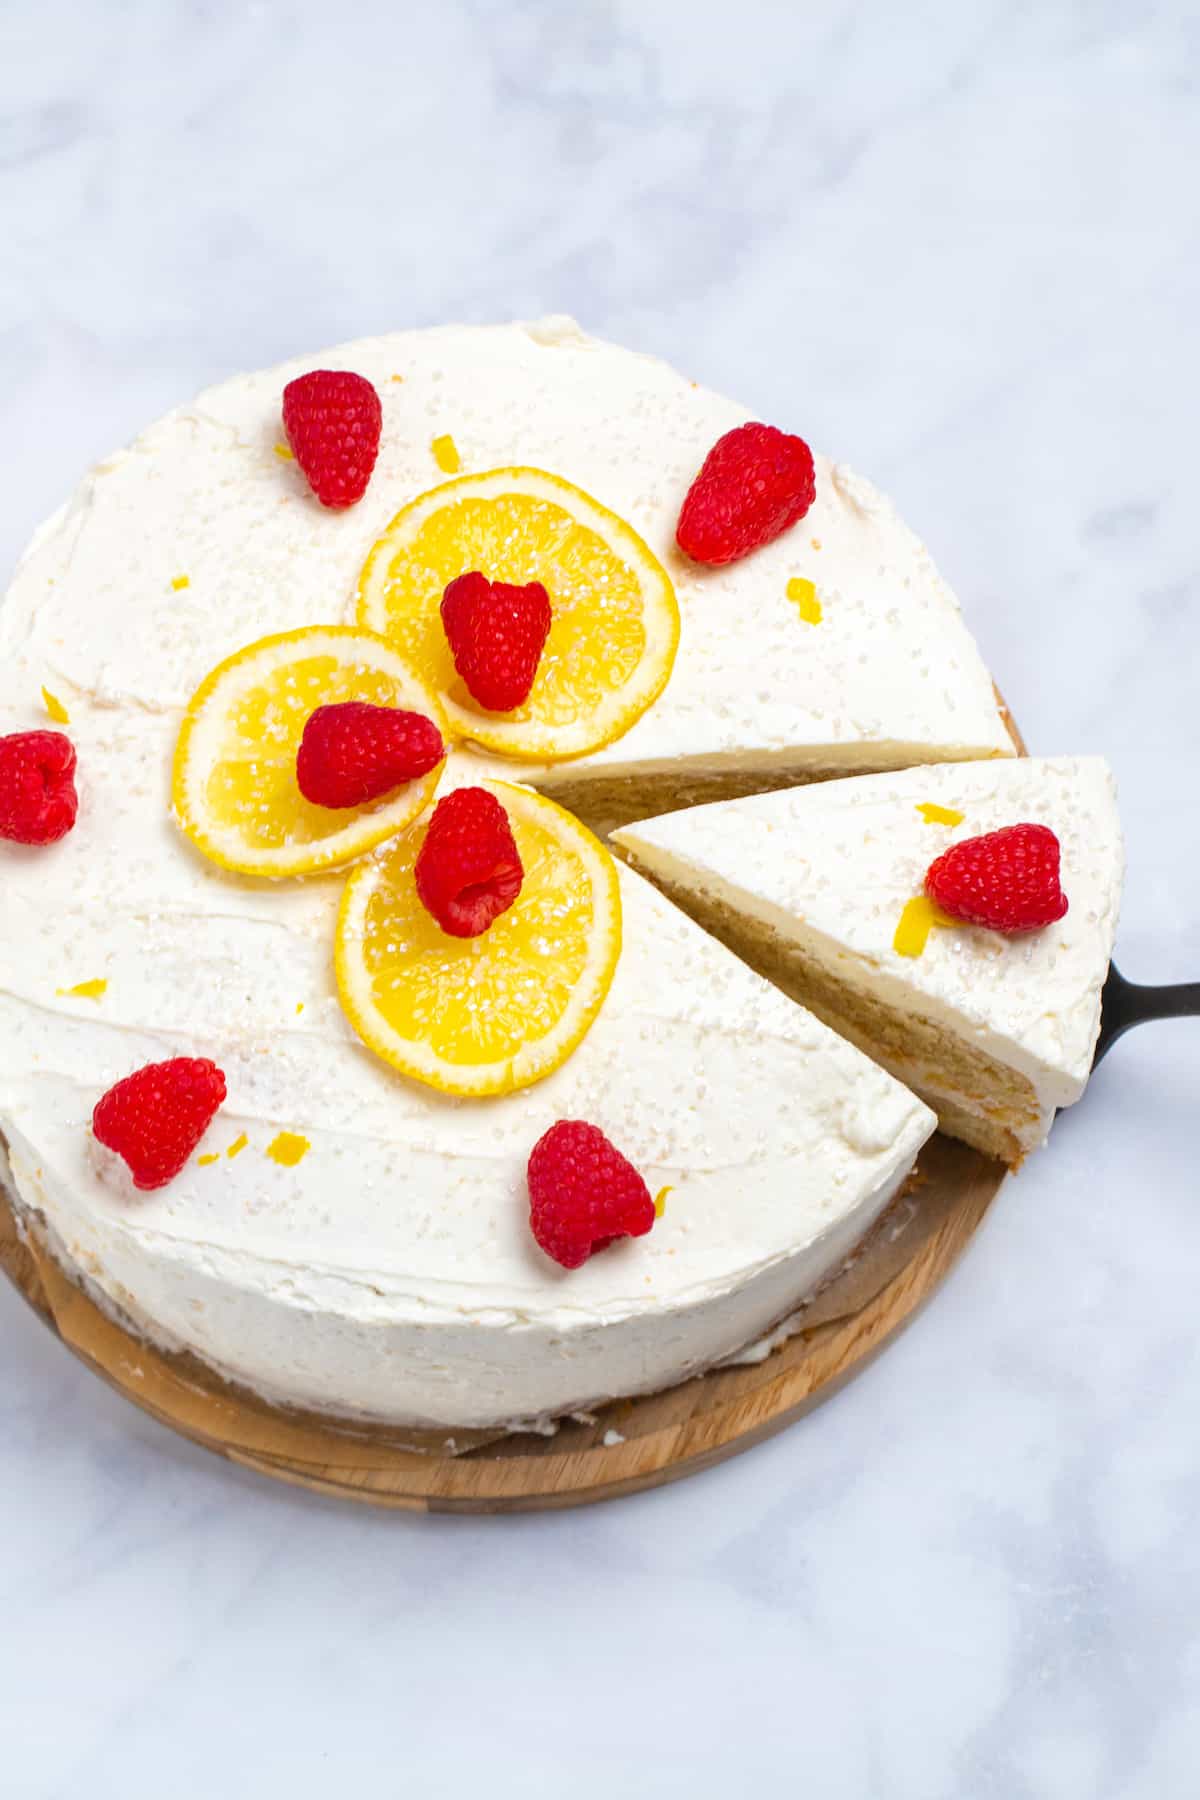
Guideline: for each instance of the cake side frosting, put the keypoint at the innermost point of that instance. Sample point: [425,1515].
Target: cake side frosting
[833,866]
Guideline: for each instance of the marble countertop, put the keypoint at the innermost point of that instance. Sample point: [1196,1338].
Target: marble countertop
[956,243]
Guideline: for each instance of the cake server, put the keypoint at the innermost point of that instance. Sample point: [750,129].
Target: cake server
[1124,1004]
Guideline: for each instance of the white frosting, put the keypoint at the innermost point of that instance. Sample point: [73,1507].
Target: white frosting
[889,676]
[391,1273]
[831,866]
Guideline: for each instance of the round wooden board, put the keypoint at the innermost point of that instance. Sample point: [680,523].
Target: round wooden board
[661,1437]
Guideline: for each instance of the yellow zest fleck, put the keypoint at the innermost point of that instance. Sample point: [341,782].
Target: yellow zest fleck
[917,920]
[815,542]
[55,708]
[288,1149]
[395,378]
[938,815]
[206,1161]
[445,454]
[180,581]
[805,596]
[660,1201]
[86,990]
[299,1007]
[283,453]
[237,1146]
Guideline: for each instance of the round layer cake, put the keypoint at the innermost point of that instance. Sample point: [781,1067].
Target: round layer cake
[350,1239]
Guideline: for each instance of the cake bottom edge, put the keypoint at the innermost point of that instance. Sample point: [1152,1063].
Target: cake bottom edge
[199,1381]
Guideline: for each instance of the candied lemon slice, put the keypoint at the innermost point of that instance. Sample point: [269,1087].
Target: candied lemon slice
[488,1014]
[615,621]
[234,790]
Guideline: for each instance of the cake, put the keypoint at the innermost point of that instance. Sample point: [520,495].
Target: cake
[348,1227]
[811,886]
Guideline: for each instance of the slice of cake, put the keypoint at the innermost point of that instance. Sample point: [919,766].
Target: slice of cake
[822,889]
[834,649]
[352,1241]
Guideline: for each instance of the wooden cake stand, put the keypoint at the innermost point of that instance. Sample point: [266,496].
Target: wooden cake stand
[626,1446]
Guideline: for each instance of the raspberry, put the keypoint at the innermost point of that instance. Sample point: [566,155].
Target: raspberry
[755,483]
[468,870]
[333,420]
[496,633]
[583,1194]
[38,802]
[353,753]
[1005,880]
[155,1117]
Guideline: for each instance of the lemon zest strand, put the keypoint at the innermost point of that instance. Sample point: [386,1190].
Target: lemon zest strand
[85,990]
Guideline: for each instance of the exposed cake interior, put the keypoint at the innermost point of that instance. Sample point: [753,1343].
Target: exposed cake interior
[606,798]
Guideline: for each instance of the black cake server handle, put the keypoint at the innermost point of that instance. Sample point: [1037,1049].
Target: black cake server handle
[1125,1004]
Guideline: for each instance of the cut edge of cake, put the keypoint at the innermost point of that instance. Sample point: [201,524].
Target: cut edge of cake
[607,797]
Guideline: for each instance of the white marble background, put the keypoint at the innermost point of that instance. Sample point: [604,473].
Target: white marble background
[959,244]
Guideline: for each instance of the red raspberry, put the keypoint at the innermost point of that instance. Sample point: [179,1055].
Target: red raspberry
[755,483]
[468,870]
[333,420]
[38,802]
[1006,880]
[155,1117]
[496,633]
[353,753]
[583,1194]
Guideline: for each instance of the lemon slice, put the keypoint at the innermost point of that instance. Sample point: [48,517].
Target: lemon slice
[234,789]
[488,1014]
[615,625]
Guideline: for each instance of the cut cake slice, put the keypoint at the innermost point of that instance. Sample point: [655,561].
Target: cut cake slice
[809,886]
